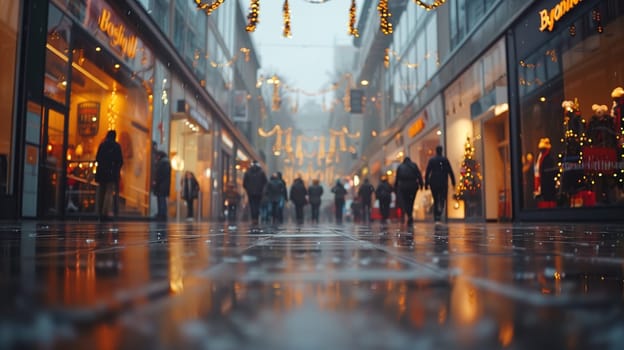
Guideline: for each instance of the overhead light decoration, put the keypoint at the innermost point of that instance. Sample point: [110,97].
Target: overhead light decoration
[430,7]
[384,17]
[286,14]
[386,61]
[252,17]
[352,14]
[208,7]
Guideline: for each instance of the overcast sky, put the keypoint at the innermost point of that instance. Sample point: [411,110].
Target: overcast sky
[305,59]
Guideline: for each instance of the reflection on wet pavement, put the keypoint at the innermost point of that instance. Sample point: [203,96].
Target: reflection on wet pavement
[198,285]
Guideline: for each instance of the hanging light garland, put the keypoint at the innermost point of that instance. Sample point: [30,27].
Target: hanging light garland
[252,17]
[384,17]
[430,7]
[286,15]
[352,14]
[208,7]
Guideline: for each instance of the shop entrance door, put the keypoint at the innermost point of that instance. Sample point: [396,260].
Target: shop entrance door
[53,164]
[497,167]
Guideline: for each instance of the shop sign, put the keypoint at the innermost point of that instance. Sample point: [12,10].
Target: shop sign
[88,118]
[126,43]
[548,17]
[417,127]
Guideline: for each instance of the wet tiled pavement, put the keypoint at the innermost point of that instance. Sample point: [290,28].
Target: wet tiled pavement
[140,285]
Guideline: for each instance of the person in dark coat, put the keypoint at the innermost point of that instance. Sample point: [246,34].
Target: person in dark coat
[365,192]
[339,200]
[383,193]
[299,197]
[254,181]
[274,191]
[408,181]
[232,198]
[436,176]
[161,184]
[282,204]
[190,192]
[315,192]
[109,162]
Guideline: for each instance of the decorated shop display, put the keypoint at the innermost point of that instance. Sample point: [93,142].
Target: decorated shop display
[468,187]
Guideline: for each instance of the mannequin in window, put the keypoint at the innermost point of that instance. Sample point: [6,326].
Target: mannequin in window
[545,171]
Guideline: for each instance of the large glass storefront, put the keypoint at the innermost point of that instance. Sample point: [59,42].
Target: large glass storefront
[98,77]
[8,42]
[478,147]
[571,104]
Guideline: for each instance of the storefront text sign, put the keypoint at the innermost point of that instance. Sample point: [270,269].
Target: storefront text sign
[117,35]
[548,18]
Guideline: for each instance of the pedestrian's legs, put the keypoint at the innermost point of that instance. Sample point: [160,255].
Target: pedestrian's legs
[189,208]
[254,206]
[115,190]
[437,212]
[162,207]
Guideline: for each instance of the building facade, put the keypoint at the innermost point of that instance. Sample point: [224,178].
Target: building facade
[503,86]
[158,72]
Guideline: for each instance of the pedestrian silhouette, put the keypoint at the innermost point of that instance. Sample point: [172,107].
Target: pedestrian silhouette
[365,192]
[408,181]
[232,199]
[190,192]
[161,184]
[254,181]
[109,161]
[299,197]
[436,177]
[274,192]
[315,192]
[339,200]
[383,193]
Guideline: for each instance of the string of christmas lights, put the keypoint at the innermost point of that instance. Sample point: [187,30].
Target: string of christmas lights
[252,17]
[352,14]
[384,17]
[286,15]
[208,8]
[430,7]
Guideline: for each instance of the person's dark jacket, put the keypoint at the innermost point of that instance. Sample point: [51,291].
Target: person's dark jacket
[315,192]
[383,192]
[162,181]
[298,193]
[274,189]
[339,191]
[408,177]
[190,188]
[254,181]
[365,192]
[437,173]
[109,161]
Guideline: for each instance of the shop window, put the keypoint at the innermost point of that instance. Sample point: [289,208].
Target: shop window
[106,95]
[571,119]
[8,37]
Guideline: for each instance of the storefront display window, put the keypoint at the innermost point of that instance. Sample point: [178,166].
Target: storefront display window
[8,37]
[477,114]
[570,88]
[103,75]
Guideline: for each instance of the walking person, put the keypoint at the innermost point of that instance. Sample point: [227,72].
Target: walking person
[190,192]
[339,200]
[408,181]
[109,162]
[299,197]
[274,192]
[232,199]
[365,192]
[383,193]
[436,176]
[315,192]
[161,185]
[254,181]
[282,203]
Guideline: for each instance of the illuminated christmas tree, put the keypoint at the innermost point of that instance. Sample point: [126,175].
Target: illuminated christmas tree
[469,184]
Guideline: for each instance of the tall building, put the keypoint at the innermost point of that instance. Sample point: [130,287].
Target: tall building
[488,80]
[161,73]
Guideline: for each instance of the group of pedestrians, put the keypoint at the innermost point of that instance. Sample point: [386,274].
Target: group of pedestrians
[408,181]
[267,197]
